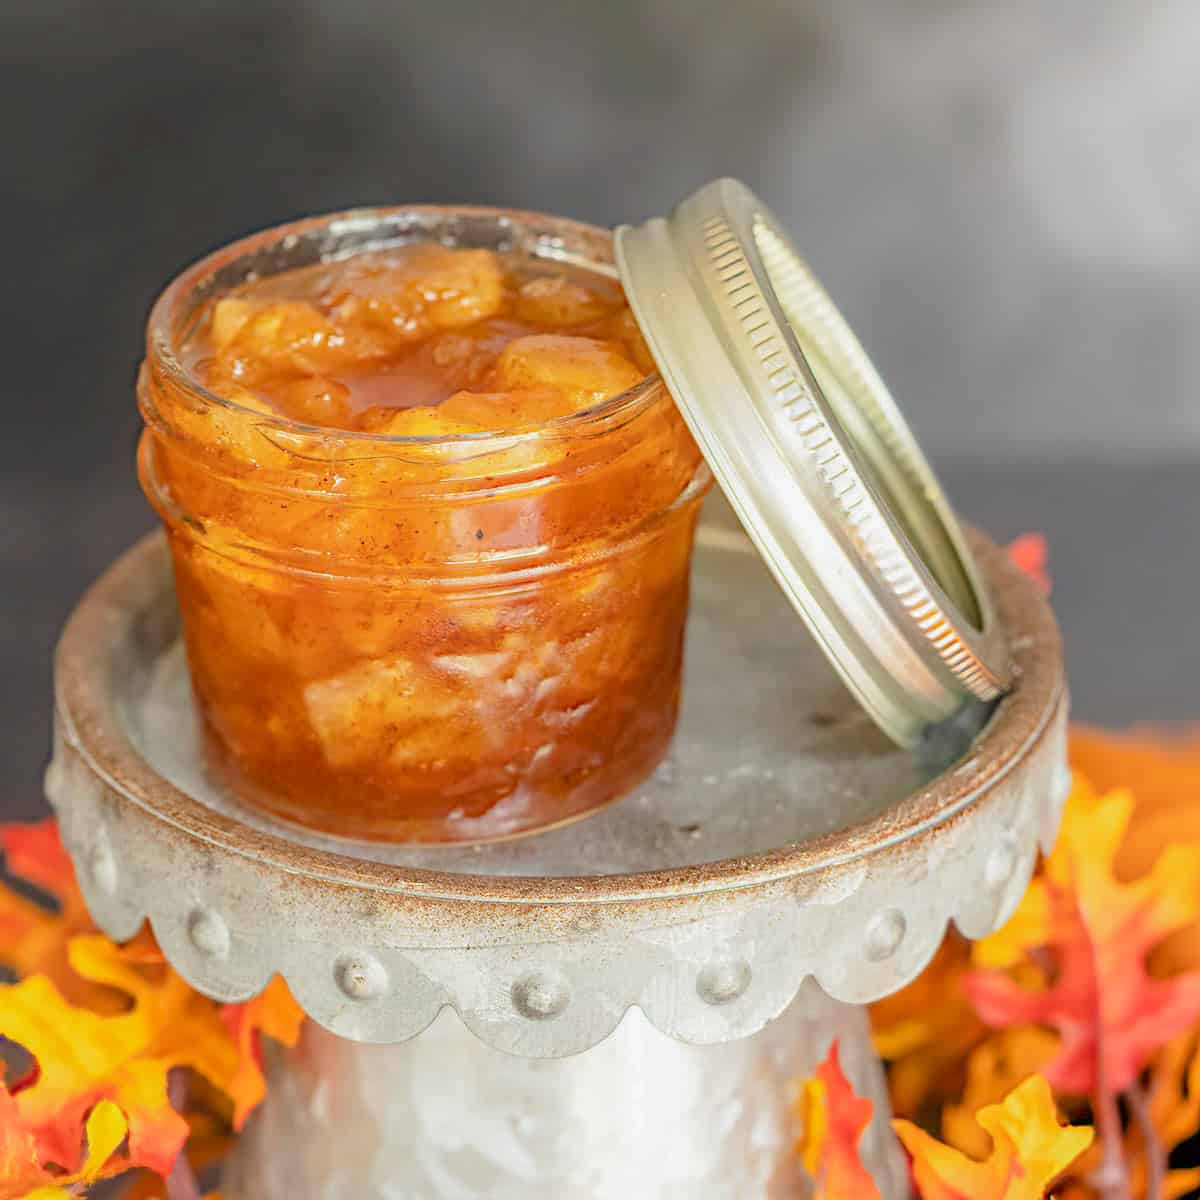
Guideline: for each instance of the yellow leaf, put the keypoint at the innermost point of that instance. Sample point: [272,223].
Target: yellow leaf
[1028,926]
[106,1130]
[1164,770]
[814,1123]
[994,1069]
[1030,1150]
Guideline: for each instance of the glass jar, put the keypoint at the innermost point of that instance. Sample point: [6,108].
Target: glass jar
[421,638]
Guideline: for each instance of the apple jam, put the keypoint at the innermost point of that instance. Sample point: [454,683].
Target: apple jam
[431,515]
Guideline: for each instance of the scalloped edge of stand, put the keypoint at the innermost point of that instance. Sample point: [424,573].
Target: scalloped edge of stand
[716,967]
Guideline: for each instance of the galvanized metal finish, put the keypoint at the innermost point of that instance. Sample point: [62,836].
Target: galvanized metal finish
[814,454]
[785,840]
[444,1117]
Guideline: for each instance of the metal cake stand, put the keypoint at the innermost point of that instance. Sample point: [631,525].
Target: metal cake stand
[611,1009]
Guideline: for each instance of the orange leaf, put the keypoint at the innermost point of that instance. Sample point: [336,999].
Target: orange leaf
[33,939]
[925,1030]
[20,1168]
[83,1057]
[1164,768]
[993,1069]
[273,1012]
[1173,1103]
[36,854]
[21,1172]
[832,1120]
[1030,1150]
[144,1186]
[1030,553]
[1110,1013]
[1174,1090]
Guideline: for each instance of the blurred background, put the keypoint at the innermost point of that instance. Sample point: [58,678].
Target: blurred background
[1003,197]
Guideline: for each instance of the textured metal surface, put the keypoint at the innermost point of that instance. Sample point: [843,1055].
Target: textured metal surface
[786,839]
[444,1117]
[814,454]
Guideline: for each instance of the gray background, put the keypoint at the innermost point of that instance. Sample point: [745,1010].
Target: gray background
[1004,198]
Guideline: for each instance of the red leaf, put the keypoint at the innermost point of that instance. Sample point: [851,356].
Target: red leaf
[1031,554]
[1110,1013]
[833,1120]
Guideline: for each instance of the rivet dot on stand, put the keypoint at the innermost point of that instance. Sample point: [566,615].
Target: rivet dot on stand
[360,977]
[208,933]
[102,867]
[884,934]
[1001,863]
[540,997]
[723,982]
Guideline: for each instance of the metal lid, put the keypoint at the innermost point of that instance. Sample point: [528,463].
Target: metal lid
[815,457]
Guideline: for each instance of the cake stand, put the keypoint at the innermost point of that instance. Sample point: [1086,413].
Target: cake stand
[617,1008]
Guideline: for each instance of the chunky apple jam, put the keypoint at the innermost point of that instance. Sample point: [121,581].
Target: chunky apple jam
[431,517]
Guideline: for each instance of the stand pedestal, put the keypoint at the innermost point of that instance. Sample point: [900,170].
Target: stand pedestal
[785,859]
[639,1115]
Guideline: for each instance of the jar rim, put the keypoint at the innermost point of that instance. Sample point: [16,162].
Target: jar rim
[340,235]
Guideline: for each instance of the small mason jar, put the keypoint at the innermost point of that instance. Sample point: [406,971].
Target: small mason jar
[421,638]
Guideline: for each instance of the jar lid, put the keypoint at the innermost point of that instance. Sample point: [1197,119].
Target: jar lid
[815,457]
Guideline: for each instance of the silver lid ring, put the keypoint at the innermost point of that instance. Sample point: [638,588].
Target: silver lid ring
[815,457]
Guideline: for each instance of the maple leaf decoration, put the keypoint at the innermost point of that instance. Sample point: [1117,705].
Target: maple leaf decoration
[33,939]
[73,1013]
[21,1169]
[1110,1013]
[1030,1150]
[83,1057]
[994,1068]
[1173,1110]
[273,1012]
[926,1030]
[1166,768]
[833,1119]
[22,1172]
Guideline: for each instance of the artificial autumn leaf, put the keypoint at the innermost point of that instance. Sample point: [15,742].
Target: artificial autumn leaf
[1164,772]
[209,1140]
[1174,1090]
[21,1169]
[832,1120]
[994,1068]
[925,1030]
[83,1057]
[21,1172]
[1030,1150]
[1111,1014]
[34,939]
[273,1012]
[105,1131]
[145,1186]
[35,853]
[1173,1105]
[1030,553]
[169,1024]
